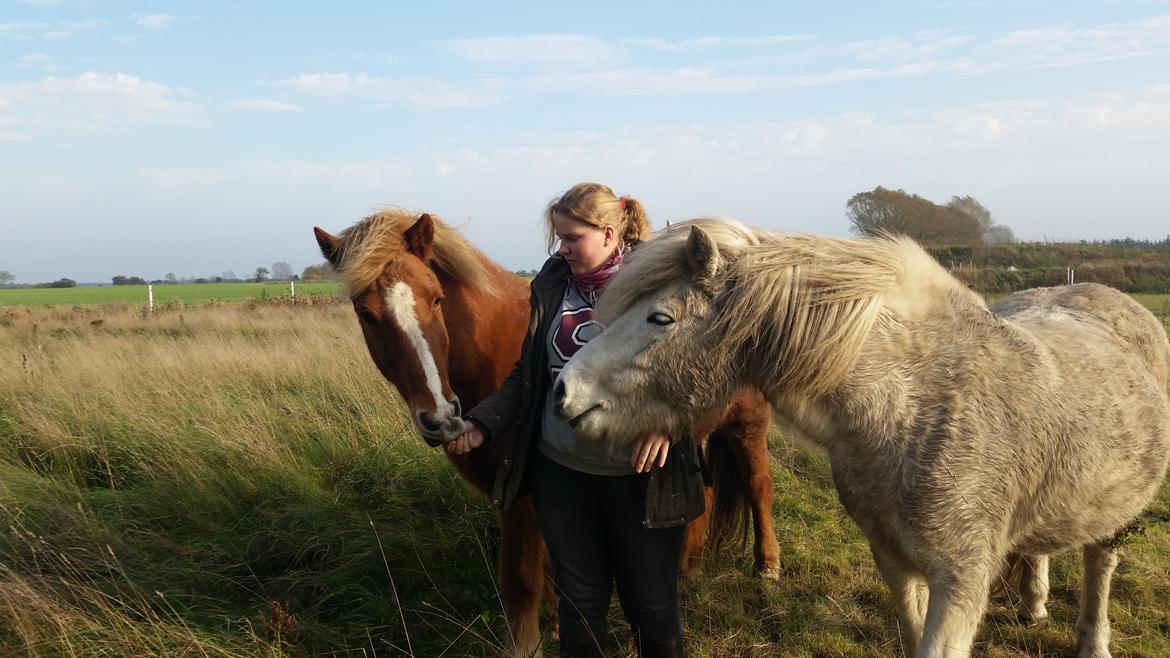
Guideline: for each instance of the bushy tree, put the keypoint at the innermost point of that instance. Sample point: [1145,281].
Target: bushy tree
[6,278]
[261,274]
[989,231]
[896,212]
[321,272]
[999,234]
[281,271]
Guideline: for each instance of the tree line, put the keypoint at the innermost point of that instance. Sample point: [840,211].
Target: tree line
[962,221]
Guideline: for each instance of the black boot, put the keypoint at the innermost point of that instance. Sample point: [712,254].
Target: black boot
[662,649]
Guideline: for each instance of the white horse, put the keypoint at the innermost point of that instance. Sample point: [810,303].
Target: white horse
[958,435]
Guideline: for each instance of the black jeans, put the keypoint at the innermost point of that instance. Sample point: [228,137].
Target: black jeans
[592,525]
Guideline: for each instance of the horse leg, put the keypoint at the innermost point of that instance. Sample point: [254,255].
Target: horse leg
[696,538]
[522,578]
[762,489]
[748,438]
[910,598]
[1093,620]
[957,601]
[1033,589]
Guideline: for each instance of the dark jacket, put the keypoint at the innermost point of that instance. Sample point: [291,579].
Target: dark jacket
[512,414]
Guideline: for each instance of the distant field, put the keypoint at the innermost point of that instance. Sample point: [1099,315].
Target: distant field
[190,293]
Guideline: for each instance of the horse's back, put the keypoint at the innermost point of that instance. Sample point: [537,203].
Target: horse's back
[1098,312]
[1101,379]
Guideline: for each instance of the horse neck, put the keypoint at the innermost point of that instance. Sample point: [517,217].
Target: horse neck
[484,330]
[919,335]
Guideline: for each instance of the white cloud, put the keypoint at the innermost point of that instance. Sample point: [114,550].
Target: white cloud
[420,92]
[265,105]
[1023,158]
[922,45]
[44,3]
[26,30]
[85,24]
[652,43]
[87,104]
[1064,45]
[22,30]
[650,82]
[39,61]
[154,21]
[536,50]
[182,180]
[690,80]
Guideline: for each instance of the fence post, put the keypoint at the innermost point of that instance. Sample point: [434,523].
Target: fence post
[150,298]
[292,291]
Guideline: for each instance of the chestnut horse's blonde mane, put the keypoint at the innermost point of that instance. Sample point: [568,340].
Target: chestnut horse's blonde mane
[800,305]
[369,245]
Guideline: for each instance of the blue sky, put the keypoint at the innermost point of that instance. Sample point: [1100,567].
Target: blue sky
[141,138]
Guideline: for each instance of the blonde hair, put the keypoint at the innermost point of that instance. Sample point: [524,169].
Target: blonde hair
[596,205]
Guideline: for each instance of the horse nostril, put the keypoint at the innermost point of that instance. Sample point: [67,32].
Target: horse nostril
[427,422]
[559,392]
[457,410]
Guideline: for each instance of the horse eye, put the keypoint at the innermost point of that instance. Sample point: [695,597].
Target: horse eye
[660,319]
[367,318]
[437,301]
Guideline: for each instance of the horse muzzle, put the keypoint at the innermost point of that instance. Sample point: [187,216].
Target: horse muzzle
[440,429]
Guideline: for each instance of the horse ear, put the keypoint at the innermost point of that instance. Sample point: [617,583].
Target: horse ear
[330,246]
[420,237]
[702,254]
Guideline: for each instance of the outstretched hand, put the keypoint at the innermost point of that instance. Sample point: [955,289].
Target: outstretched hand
[469,440]
[649,449]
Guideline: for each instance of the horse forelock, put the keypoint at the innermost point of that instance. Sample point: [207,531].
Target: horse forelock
[371,244]
[661,262]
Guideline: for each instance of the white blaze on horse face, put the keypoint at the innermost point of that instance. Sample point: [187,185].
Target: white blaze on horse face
[400,301]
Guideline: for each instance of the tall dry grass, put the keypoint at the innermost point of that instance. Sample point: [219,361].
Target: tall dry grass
[210,481]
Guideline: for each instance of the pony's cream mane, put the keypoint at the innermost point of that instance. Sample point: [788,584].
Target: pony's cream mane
[661,261]
[799,306]
[369,245]
[802,305]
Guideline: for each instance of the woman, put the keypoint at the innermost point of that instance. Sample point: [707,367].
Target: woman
[606,517]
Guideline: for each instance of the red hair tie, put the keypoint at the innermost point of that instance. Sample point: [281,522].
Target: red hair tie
[623,203]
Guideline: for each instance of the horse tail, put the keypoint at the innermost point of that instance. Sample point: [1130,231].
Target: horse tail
[731,507]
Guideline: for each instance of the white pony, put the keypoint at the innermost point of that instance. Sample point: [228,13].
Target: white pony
[958,435]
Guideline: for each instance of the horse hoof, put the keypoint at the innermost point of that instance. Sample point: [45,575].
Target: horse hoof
[769,573]
[1032,621]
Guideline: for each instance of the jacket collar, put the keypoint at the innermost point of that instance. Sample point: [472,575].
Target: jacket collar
[553,273]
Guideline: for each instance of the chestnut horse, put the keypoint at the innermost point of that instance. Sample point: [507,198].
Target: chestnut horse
[444,324]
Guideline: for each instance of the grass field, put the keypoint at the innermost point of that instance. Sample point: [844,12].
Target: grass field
[187,293]
[237,480]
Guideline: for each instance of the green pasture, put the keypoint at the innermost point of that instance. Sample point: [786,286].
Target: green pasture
[187,293]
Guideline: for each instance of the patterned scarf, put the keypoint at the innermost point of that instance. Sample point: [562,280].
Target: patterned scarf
[574,324]
[591,284]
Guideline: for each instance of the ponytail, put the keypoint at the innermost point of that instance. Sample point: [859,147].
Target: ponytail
[596,205]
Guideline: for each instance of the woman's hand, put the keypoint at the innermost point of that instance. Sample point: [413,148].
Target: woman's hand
[469,440]
[649,449]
